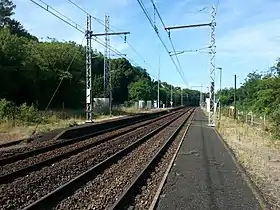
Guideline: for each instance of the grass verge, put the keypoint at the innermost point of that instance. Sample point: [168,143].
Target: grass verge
[13,130]
[259,154]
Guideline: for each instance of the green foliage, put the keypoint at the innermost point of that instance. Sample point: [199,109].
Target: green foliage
[7,110]
[260,94]
[22,114]
[30,72]
[6,11]
[140,90]
[28,114]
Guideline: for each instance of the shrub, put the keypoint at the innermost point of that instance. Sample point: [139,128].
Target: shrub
[276,122]
[8,110]
[28,114]
[22,114]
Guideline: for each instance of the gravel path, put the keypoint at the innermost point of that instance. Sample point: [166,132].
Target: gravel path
[101,192]
[25,190]
[47,155]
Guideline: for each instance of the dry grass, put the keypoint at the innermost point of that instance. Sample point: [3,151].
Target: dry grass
[10,132]
[258,153]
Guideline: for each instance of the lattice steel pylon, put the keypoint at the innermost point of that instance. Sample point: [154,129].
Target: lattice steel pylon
[212,113]
[88,72]
[107,67]
[106,59]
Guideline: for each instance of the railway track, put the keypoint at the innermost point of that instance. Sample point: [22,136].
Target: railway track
[8,155]
[32,163]
[145,189]
[103,182]
[42,181]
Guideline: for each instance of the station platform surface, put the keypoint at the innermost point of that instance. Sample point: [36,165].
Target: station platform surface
[204,175]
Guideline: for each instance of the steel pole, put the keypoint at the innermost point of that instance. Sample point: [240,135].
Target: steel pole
[158,104]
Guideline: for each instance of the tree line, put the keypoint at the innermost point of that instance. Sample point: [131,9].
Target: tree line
[30,71]
[259,93]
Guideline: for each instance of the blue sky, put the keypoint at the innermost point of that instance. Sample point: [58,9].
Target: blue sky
[247,36]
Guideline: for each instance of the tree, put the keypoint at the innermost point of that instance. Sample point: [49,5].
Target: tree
[140,90]
[31,71]
[16,28]
[6,11]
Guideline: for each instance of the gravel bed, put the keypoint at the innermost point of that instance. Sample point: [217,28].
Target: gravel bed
[22,147]
[101,192]
[28,147]
[146,195]
[25,190]
[47,155]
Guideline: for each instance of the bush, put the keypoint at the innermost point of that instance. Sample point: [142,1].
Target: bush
[22,114]
[276,122]
[8,110]
[28,114]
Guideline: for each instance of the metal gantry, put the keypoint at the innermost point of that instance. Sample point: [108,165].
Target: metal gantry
[171,100]
[88,35]
[107,67]
[219,100]
[182,102]
[89,102]
[212,113]
[212,24]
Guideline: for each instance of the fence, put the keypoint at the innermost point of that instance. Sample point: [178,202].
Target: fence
[248,117]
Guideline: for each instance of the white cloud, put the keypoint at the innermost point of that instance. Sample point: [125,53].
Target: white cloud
[258,40]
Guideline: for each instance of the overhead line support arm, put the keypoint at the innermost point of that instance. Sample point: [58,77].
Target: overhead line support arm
[188,26]
[110,34]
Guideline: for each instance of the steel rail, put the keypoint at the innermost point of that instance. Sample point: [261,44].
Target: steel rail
[164,178]
[129,193]
[7,178]
[14,142]
[20,156]
[51,199]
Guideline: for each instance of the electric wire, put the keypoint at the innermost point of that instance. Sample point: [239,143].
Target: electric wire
[102,23]
[81,29]
[217,6]
[156,30]
[76,26]
[47,9]
[170,40]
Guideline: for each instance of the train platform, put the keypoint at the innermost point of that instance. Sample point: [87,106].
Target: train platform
[205,176]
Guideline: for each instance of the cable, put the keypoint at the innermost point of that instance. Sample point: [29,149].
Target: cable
[102,23]
[156,30]
[80,29]
[161,20]
[217,6]
[197,50]
[47,9]
[201,10]
[163,24]
[58,86]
